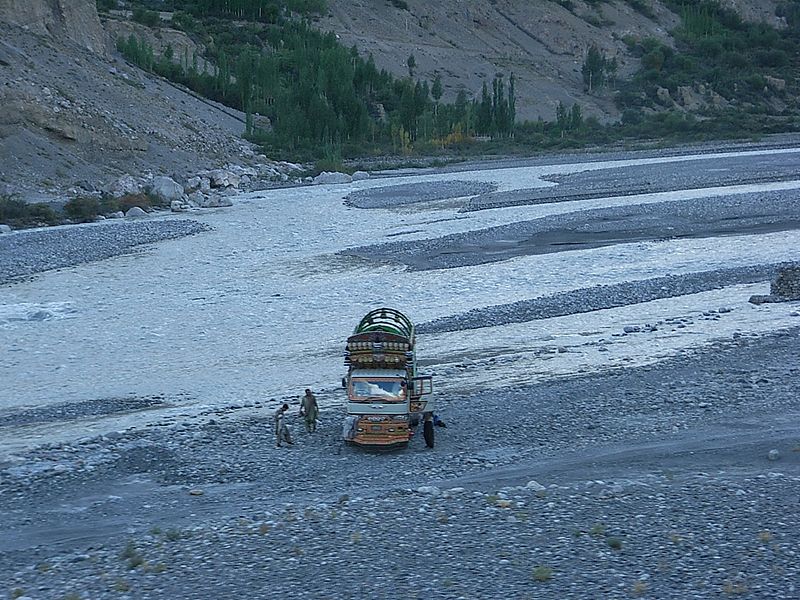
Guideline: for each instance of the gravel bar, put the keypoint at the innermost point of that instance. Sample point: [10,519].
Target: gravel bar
[658,481]
[26,253]
[646,179]
[602,297]
[725,215]
[411,193]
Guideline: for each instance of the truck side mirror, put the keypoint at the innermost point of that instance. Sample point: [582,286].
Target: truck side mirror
[422,385]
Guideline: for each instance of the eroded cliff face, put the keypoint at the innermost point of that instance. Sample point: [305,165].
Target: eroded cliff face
[74,117]
[75,20]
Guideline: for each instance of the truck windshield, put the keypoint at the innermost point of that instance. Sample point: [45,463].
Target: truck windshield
[385,390]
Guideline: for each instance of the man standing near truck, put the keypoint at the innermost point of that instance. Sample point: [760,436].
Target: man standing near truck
[281,428]
[309,410]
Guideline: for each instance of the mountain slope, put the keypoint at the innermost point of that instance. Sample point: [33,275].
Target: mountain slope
[543,43]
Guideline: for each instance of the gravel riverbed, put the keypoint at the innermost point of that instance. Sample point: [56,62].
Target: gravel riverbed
[629,483]
[676,479]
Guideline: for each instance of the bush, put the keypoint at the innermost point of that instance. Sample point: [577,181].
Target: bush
[11,209]
[43,214]
[19,214]
[128,201]
[82,209]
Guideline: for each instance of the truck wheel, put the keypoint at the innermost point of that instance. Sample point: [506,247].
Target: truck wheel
[427,433]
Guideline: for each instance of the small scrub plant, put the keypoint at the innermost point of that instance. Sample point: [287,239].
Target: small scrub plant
[639,588]
[355,537]
[614,543]
[597,530]
[16,593]
[129,551]
[734,587]
[172,535]
[765,536]
[263,529]
[156,568]
[121,585]
[133,557]
[542,573]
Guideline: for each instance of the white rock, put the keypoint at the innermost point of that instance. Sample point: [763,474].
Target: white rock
[535,486]
[4,228]
[135,211]
[215,202]
[431,490]
[359,175]
[773,454]
[116,215]
[166,188]
[123,186]
[328,177]
[177,206]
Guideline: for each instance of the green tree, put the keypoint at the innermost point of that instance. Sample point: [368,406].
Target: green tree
[412,64]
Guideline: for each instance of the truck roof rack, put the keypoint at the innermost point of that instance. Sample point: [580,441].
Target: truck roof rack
[388,320]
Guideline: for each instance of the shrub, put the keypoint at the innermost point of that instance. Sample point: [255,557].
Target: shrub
[771,58]
[19,214]
[128,201]
[82,209]
[43,214]
[11,209]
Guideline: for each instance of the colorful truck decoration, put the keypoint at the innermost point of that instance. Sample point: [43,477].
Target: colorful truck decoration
[386,399]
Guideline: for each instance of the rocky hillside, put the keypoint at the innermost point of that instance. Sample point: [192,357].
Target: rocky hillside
[543,43]
[74,116]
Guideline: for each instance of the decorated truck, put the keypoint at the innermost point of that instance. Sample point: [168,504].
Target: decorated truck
[386,398]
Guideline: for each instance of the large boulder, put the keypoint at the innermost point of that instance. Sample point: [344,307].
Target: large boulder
[327,177]
[4,228]
[124,186]
[166,188]
[222,178]
[135,211]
